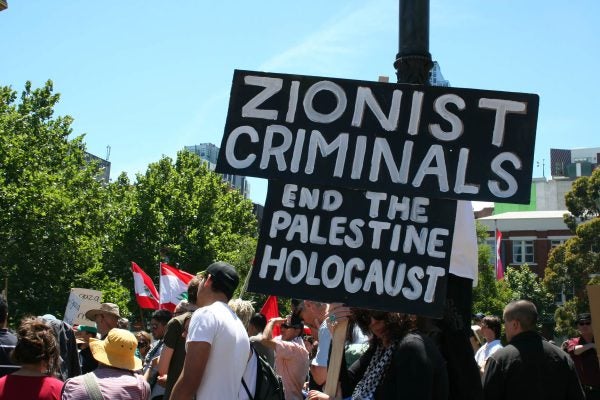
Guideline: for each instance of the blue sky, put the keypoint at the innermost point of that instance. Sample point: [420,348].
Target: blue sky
[147,78]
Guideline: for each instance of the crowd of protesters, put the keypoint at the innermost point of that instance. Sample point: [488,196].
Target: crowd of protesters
[210,348]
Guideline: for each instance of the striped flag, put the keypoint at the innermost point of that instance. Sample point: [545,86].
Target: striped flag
[173,286]
[499,266]
[145,291]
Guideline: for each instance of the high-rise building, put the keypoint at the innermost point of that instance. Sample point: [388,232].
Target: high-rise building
[210,153]
[435,76]
[573,163]
[104,175]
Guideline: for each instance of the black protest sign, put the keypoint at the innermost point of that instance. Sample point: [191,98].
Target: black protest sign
[397,138]
[362,248]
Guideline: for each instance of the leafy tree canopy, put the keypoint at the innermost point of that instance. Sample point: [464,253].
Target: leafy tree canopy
[572,265]
[51,204]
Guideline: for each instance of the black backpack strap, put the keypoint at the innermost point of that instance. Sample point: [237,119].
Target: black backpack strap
[246,388]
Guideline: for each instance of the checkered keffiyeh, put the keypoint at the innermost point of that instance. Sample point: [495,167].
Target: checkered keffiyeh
[374,374]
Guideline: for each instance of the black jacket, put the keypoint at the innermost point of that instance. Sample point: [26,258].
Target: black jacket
[417,371]
[530,368]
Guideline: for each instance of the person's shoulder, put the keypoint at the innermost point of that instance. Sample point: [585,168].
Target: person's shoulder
[54,382]
[495,345]
[415,339]
[74,382]
[7,338]
[504,352]
[554,349]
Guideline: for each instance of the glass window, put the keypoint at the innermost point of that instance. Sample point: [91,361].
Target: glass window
[522,251]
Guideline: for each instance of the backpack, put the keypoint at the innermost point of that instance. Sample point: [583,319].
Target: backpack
[268,384]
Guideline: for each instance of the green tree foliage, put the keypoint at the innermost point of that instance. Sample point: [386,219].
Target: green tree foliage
[51,203]
[564,318]
[62,227]
[572,264]
[526,285]
[187,210]
[490,295]
[583,200]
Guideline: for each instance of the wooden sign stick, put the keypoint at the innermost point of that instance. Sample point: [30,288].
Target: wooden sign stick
[335,358]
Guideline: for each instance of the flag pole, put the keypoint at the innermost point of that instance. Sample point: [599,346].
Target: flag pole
[496,248]
[142,318]
[245,285]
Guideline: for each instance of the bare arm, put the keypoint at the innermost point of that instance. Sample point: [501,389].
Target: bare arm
[148,375]
[165,359]
[267,337]
[581,348]
[193,370]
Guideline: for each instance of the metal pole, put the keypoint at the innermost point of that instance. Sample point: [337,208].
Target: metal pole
[413,61]
[496,247]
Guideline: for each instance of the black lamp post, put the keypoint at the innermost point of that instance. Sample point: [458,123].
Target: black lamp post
[413,61]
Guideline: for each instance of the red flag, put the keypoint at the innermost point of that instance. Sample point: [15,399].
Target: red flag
[173,286]
[499,267]
[145,291]
[271,310]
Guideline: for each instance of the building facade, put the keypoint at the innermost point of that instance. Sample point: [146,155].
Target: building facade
[104,166]
[527,237]
[210,153]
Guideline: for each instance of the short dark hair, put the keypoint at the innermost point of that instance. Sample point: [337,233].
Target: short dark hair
[163,316]
[259,321]
[523,311]
[494,323]
[3,309]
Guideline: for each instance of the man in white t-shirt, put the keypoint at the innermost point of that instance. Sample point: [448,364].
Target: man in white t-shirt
[490,329]
[216,341]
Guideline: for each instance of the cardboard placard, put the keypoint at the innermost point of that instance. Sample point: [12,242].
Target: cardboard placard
[80,301]
[439,142]
[361,248]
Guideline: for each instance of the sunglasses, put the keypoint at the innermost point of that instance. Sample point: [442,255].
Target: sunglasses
[142,344]
[584,323]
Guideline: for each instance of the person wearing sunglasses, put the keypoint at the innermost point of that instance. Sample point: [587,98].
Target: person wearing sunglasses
[582,350]
[144,339]
[291,356]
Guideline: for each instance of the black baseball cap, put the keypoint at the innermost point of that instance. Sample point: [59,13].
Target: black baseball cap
[225,277]
[584,317]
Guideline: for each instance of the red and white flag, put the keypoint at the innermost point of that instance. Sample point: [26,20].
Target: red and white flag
[173,286]
[145,291]
[499,267]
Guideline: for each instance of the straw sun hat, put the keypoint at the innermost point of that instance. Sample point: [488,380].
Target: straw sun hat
[117,350]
